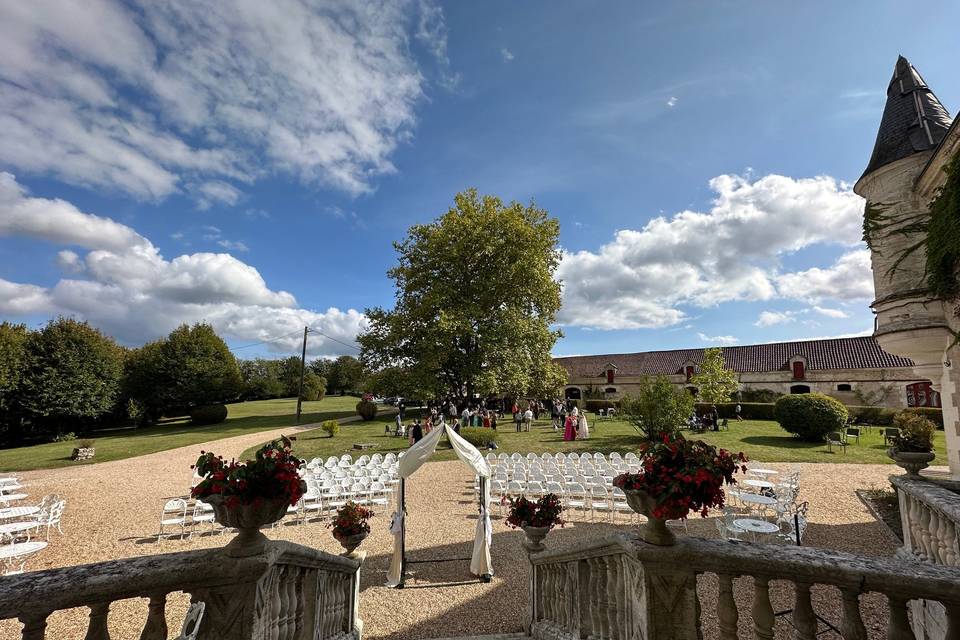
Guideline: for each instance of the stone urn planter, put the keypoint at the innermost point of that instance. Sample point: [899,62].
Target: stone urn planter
[247,520]
[655,531]
[912,461]
[534,538]
[350,543]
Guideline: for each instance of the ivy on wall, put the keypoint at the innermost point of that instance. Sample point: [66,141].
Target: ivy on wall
[943,235]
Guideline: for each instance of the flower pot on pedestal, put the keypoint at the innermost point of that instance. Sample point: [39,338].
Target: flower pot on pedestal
[655,530]
[534,538]
[247,520]
[351,542]
[912,461]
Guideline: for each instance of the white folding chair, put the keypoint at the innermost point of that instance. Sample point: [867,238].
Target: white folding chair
[599,500]
[576,497]
[202,513]
[534,490]
[174,514]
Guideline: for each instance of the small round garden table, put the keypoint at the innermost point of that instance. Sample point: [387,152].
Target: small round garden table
[17,512]
[763,484]
[16,527]
[755,526]
[763,472]
[755,498]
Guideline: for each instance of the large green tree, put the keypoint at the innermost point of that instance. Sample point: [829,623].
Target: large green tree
[714,382]
[13,351]
[475,300]
[71,375]
[346,374]
[261,379]
[658,407]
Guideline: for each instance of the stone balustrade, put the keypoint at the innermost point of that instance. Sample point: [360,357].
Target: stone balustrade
[930,518]
[625,589]
[286,592]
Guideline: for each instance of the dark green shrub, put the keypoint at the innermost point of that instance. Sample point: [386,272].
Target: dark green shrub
[748,410]
[367,410]
[595,405]
[933,414]
[763,396]
[810,416]
[479,437]
[208,414]
[877,416]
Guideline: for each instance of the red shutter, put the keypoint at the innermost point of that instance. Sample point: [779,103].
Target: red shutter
[609,376]
[798,370]
[689,373]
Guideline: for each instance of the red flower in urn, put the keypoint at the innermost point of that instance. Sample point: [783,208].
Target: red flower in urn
[271,476]
[682,476]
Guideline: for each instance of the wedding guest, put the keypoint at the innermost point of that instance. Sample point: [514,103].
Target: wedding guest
[583,430]
[569,428]
[416,433]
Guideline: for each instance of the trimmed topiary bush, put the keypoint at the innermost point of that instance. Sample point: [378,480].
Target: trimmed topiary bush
[367,410]
[479,437]
[810,416]
[331,427]
[916,433]
[208,414]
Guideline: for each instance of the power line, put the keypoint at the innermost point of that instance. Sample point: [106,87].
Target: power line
[352,346]
[266,340]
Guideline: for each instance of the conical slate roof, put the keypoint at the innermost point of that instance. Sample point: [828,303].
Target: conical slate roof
[913,119]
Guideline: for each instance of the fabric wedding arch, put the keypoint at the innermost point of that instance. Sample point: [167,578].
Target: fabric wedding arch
[412,460]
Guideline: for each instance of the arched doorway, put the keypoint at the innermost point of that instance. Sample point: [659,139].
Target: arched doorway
[572,393]
[799,388]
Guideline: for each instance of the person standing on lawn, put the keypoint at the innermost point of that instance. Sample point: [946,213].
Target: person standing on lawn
[737,411]
[528,418]
[583,430]
[416,432]
[570,428]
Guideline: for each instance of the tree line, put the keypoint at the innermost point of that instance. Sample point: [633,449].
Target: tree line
[69,377]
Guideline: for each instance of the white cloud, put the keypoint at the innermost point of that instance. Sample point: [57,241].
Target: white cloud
[643,278]
[770,318]
[831,313]
[672,102]
[849,278]
[721,340]
[506,54]
[155,98]
[235,245]
[133,292]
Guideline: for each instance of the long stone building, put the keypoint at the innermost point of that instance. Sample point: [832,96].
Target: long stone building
[853,370]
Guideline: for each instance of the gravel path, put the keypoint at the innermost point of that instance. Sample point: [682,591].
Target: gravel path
[112,512]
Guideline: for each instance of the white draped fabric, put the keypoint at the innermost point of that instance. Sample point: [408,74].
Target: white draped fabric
[412,460]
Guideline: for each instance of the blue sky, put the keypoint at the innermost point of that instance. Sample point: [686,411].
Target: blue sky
[251,166]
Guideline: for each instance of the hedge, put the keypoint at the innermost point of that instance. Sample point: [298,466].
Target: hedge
[810,416]
[594,406]
[748,410]
[883,416]
[208,414]
[479,437]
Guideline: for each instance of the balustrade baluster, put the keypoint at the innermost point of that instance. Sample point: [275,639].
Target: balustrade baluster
[804,619]
[727,613]
[926,542]
[622,602]
[549,600]
[34,626]
[286,603]
[156,625]
[852,626]
[596,617]
[609,590]
[97,629]
[937,534]
[573,588]
[951,558]
[899,626]
[762,609]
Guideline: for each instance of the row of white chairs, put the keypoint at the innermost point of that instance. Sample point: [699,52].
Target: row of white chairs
[346,460]
[560,458]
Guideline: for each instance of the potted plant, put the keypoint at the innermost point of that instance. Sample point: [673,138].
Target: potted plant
[247,495]
[350,527]
[677,476]
[535,518]
[912,447]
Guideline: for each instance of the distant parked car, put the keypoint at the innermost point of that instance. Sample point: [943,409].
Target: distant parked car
[379,400]
[392,400]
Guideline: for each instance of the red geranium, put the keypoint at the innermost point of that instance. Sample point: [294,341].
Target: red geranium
[683,475]
[545,512]
[271,476]
[351,519]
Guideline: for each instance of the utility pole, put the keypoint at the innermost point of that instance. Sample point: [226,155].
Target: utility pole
[303,368]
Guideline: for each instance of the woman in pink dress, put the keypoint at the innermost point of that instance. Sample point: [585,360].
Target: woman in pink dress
[570,428]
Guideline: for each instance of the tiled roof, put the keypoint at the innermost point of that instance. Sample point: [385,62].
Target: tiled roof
[835,353]
[913,120]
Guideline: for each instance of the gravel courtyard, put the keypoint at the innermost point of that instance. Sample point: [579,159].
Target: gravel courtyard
[113,508]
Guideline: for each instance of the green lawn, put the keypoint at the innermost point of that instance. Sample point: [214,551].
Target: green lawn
[758,439]
[246,417]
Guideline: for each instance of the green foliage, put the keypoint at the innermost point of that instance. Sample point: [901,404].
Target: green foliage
[479,437]
[810,416]
[916,433]
[86,443]
[345,374]
[943,235]
[314,387]
[71,376]
[764,396]
[261,379]
[13,351]
[715,383]
[658,408]
[596,405]
[191,367]
[475,298]
[933,414]
[878,416]
[748,410]
[367,410]
[330,427]
[69,436]
[208,414]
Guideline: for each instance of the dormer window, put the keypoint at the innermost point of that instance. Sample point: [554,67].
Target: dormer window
[689,371]
[798,367]
[609,376]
